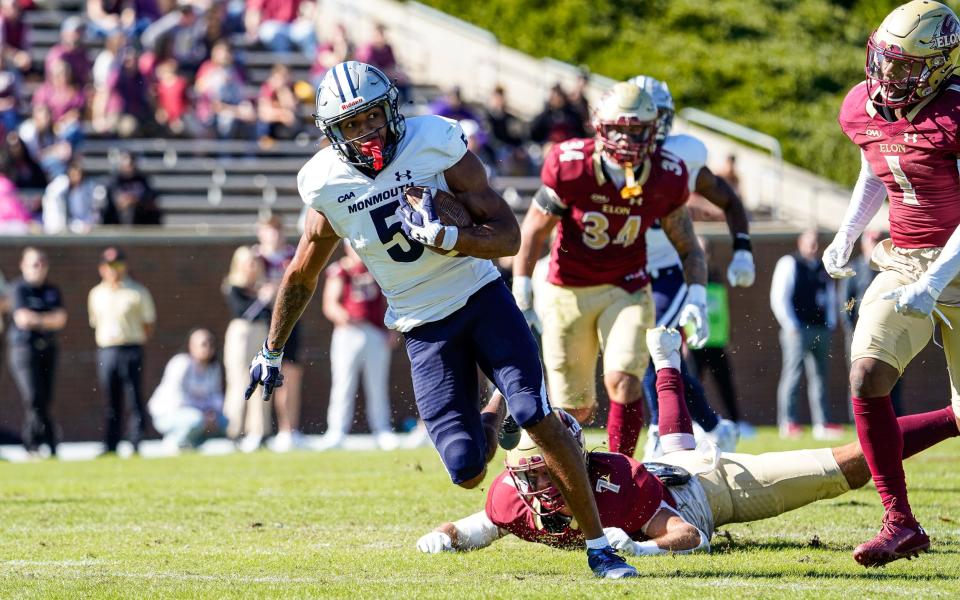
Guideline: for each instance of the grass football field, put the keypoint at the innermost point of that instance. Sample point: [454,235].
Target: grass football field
[344,525]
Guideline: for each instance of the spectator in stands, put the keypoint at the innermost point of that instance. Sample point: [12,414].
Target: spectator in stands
[505,128]
[275,253]
[333,51]
[277,106]
[130,87]
[17,162]
[280,25]
[129,16]
[353,302]
[72,202]
[123,317]
[249,298]
[14,217]
[173,104]
[222,106]
[181,33]
[578,98]
[71,51]
[217,25]
[379,53]
[132,199]
[187,406]
[850,294]
[477,143]
[38,314]
[803,299]
[451,106]
[63,97]
[10,86]
[14,35]
[105,106]
[558,121]
[729,172]
[49,145]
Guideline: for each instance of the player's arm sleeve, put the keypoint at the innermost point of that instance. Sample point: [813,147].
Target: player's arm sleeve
[549,196]
[476,531]
[781,293]
[550,202]
[867,198]
[946,267]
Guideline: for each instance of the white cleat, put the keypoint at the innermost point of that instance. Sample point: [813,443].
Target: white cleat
[725,435]
[664,347]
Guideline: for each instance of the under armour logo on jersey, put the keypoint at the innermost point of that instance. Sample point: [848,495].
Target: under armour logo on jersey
[910,138]
[401,176]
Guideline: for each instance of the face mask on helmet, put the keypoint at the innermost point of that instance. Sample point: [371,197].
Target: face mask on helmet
[627,140]
[895,79]
[528,470]
[365,131]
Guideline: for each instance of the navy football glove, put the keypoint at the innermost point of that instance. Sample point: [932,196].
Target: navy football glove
[265,371]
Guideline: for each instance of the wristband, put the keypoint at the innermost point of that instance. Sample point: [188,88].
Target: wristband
[450,236]
[741,241]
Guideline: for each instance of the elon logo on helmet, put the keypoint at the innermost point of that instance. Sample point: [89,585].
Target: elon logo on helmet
[948,34]
[351,103]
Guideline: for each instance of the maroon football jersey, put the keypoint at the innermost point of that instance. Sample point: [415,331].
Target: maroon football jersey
[627,497]
[600,238]
[916,157]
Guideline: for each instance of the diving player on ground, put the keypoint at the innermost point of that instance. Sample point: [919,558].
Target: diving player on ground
[455,312]
[905,118]
[678,509]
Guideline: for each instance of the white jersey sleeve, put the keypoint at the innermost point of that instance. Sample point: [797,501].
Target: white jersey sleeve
[421,286]
[692,152]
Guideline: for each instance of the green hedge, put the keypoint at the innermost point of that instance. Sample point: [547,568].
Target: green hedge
[781,66]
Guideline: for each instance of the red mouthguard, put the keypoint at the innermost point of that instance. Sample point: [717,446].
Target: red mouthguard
[374,149]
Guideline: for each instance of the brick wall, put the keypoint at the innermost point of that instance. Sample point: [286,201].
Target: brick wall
[184,274]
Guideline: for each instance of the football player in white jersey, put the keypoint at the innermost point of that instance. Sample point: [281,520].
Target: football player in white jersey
[666,269]
[454,311]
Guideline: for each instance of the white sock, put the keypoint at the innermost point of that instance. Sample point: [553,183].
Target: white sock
[674,442]
[598,543]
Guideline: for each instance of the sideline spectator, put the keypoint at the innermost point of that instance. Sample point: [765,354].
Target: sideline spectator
[221,104]
[379,53]
[38,314]
[558,121]
[49,145]
[729,173]
[282,24]
[850,295]
[354,304]
[249,298]
[123,317]
[14,217]
[187,406]
[275,253]
[277,106]
[804,301]
[72,202]
[132,200]
[14,35]
[713,356]
[71,51]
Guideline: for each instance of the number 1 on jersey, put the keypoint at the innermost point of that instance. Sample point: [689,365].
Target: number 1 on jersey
[909,194]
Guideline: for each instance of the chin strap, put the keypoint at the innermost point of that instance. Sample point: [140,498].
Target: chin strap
[373,148]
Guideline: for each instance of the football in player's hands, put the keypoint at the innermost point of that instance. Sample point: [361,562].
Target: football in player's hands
[449,210]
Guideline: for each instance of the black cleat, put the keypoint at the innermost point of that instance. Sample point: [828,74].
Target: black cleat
[509,435]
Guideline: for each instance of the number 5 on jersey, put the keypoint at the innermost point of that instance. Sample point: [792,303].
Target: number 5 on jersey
[595,234]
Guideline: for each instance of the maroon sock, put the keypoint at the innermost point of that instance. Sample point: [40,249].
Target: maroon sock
[927,429]
[882,444]
[674,416]
[623,427]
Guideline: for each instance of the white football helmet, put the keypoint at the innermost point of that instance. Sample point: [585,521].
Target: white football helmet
[626,123]
[660,93]
[347,90]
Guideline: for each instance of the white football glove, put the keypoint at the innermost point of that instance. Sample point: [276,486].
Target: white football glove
[664,347]
[435,542]
[422,224]
[741,272]
[694,312]
[917,299]
[523,295]
[836,256]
